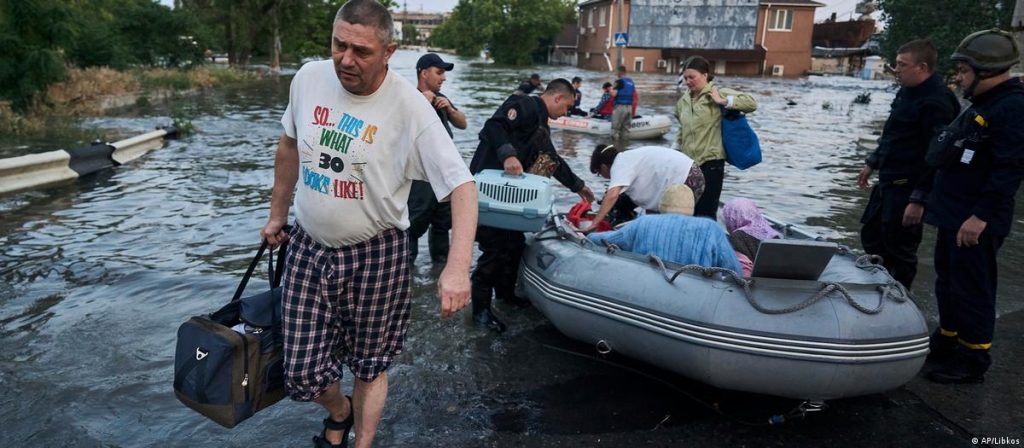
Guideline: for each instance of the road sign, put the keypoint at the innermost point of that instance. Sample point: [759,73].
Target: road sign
[621,39]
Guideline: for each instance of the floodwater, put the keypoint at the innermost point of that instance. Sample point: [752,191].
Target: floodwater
[96,275]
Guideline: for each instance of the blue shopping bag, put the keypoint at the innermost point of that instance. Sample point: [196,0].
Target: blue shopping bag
[742,149]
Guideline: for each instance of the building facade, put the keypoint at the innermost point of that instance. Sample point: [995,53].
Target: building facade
[842,48]
[563,50]
[781,42]
[423,22]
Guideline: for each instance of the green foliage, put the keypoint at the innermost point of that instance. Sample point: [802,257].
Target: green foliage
[157,36]
[41,37]
[907,20]
[409,34]
[124,33]
[182,121]
[465,29]
[307,31]
[172,80]
[31,33]
[514,30]
[245,28]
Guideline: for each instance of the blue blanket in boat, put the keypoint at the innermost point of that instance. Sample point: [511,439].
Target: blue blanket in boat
[677,238]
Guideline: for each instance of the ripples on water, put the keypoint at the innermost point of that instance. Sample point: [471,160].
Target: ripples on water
[97,274]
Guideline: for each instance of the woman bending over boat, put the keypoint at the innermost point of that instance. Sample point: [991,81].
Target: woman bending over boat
[643,174]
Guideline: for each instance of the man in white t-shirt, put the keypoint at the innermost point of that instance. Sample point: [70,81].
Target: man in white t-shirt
[353,148]
[644,174]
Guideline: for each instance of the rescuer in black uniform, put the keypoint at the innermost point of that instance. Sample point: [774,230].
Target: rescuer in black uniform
[922,106]
[517,139]
[979,162]
[528,86]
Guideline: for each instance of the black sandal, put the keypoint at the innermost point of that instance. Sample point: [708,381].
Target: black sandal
[345,426]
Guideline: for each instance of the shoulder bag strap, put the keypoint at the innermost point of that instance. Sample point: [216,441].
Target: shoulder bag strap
[275,272]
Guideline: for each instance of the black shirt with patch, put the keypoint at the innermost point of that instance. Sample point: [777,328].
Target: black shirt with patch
[520,128]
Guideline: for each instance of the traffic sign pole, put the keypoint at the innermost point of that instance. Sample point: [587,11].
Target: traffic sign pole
[618,49]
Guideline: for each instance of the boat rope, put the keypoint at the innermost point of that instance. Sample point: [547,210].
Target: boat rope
[896,291]
[893,290]
[869,262]
[610,248]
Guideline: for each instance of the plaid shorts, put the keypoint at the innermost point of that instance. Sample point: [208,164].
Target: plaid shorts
[342,305]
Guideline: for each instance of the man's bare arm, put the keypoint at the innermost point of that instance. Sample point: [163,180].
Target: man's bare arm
[453,285]
[286,173]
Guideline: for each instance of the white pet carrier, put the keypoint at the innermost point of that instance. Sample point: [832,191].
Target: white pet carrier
[509,202]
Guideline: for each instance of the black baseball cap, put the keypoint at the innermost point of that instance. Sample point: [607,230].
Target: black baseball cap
[433,60]
[535,76]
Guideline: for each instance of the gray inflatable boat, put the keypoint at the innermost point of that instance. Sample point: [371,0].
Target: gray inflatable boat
[802,327]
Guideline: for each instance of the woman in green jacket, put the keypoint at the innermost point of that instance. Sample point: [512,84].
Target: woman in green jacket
[699,112]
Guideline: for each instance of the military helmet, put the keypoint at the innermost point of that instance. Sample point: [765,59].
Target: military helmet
[993,51]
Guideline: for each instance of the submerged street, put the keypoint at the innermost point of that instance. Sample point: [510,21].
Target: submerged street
[96,276]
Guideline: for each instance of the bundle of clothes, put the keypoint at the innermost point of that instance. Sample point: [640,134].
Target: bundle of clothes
[674,235]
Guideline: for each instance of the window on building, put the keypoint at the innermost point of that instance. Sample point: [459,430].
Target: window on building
[602,17]
[590,18]
[782,20]
[638,64]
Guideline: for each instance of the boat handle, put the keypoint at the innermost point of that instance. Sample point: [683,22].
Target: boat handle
[603,348]
[545,259]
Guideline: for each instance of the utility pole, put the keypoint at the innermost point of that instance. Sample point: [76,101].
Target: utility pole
[618,49]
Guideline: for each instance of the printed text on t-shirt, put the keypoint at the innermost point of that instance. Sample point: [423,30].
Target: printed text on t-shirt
[336,155]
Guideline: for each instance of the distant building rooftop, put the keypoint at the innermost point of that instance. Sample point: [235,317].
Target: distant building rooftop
[853,33]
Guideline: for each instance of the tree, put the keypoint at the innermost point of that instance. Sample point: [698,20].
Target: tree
[240,23]
[513,29]
[32,35]
[907,20]
[468,28]
[527,23]
[409,34]
[252,27]
[154,35]
[307,31]
[40,37]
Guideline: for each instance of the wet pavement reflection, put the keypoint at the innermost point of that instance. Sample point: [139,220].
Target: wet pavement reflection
[96,276]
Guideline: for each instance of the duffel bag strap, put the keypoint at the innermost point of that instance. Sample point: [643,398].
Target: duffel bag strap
[275,272]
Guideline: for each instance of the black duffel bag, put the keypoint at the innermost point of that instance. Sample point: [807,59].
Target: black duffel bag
[228,365]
